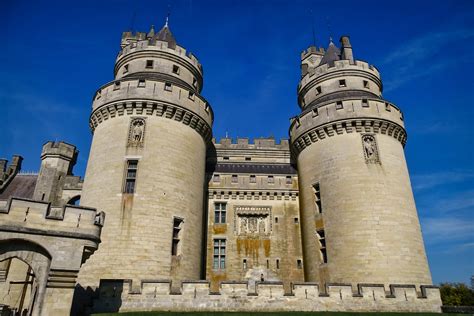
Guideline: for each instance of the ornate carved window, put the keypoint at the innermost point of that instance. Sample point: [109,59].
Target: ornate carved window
[136,133]
[369,146]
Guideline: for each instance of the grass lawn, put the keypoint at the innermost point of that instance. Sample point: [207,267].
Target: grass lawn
[269,314]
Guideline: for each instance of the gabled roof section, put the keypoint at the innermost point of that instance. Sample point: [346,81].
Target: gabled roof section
[332,54]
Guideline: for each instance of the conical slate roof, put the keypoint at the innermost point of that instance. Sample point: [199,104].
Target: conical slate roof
[165,35]
[332,54]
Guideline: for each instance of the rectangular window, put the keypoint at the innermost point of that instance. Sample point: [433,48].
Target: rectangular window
[141,83]
[289,180]
[225,158]
[342,83]
[234,178]
[271,179]
[318,90]
[297,220]
[322,245]
[125,69]
[191,95]
[216,178]
[315,112]
[130,176]
[278,263]
[317,198]
[177,227]
[194,83]
[299,264]
[244,264]
[253,179]
[366,84]
[168,86]
[276,220]
[117,85]
[175,69]
[149,64]
[219,254]
[220,213]
[365,103]
[387,107]
[248,158]
[339,105]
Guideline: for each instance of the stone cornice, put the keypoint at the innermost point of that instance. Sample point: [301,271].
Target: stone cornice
[350,125]
[151,108]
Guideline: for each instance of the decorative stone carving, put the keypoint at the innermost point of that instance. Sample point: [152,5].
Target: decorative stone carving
[252,220]
[136,134]
[370,149]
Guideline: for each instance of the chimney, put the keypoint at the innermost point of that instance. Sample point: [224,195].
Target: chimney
[346,49]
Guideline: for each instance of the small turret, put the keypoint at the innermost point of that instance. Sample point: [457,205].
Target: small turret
[57,161]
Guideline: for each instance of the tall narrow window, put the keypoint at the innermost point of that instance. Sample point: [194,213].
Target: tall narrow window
[219,254]
[271,179]
[299,264]
[322,245]
[220,213]
[130,176]
[366,84]
[317,198]
[177,227]
[289,180]
[253,178]
[194,83]
[234,178]
[244,264]
[278,263]
[216,178]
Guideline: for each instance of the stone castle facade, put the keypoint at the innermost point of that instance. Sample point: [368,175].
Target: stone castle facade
[323,221]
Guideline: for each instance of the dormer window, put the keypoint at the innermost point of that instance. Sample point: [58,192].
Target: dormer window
[342,83]
[149,64]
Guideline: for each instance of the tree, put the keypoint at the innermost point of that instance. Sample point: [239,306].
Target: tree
[456,294]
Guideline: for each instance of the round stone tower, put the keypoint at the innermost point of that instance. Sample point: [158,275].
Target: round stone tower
[359,220]
[146,168]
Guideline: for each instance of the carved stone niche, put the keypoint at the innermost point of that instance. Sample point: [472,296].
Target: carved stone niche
[136,132]
[369,146]
[252,220]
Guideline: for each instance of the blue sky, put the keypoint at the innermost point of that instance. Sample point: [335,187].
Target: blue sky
[57,53]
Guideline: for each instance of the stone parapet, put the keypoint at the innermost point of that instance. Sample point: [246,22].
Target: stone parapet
[340,68]
[265,297]
[201,121]
[37,217]
[346,116]
[256,143]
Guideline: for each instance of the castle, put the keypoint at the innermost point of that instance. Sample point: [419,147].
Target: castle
[171,219]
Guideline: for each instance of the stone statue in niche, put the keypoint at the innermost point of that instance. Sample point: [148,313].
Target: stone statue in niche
[243,225]
[370,149]
[261,226]
[136,134]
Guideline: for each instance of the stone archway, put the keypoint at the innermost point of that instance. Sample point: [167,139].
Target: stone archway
[37,258]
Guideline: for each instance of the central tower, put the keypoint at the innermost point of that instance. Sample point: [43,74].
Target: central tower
[146,168]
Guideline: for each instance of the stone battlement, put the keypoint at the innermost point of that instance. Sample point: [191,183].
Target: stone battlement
[264,296]
[136,42]
[312,50]
[326,70]
[31,216]
[347,109]
[256,143]
[61,149]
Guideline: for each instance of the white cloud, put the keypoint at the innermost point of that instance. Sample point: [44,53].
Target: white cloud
[431,180]
[446,229]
